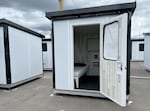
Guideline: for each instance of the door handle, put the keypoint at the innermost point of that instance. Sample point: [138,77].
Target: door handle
[119,65]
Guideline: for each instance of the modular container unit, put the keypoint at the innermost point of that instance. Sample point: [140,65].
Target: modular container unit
[91,51]
[20,54]
[47,54]
[137,50]
[147,51]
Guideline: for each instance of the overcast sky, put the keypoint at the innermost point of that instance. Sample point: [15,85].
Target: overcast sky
[31,13]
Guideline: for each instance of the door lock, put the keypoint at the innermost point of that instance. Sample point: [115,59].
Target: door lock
[119,65]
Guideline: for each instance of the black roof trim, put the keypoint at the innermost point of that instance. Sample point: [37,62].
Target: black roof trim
[46,39]
[12,24]
[140,39]
[146,34]
[93,10]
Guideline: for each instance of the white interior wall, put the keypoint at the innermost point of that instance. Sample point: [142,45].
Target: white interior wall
[136,54]
[63,33]
[47,56]
[86,44]
[2,58]
[147,52]
[25,55]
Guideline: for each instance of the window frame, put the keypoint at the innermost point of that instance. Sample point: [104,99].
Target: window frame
[104,39]
[44,48]
[141,46]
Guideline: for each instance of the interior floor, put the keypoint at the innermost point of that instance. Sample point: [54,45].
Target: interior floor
[89,82]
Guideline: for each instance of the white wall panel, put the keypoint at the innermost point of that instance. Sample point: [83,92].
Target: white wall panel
[62,54]
[19,54]
[2,58]
[147,52]
[136,54]
[47,56]
[25,55]
[35,55]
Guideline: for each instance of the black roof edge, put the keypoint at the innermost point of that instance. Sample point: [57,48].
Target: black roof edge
[12,24]
[138,39]
[85,11]
[46,39]
[146,34]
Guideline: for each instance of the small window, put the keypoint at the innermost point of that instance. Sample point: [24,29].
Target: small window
[44,47]
[141,47]
[111,41]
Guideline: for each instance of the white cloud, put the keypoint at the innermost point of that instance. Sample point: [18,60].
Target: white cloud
[34,20]
[90,3]
[140,20]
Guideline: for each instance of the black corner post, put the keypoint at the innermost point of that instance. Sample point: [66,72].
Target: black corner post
[128,52]
[7,54]
[53,54]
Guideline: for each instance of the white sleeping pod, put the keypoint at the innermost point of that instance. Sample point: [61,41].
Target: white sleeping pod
[20,54]
[91,51]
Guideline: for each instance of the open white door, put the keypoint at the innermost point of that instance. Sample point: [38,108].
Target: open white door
[113,58]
